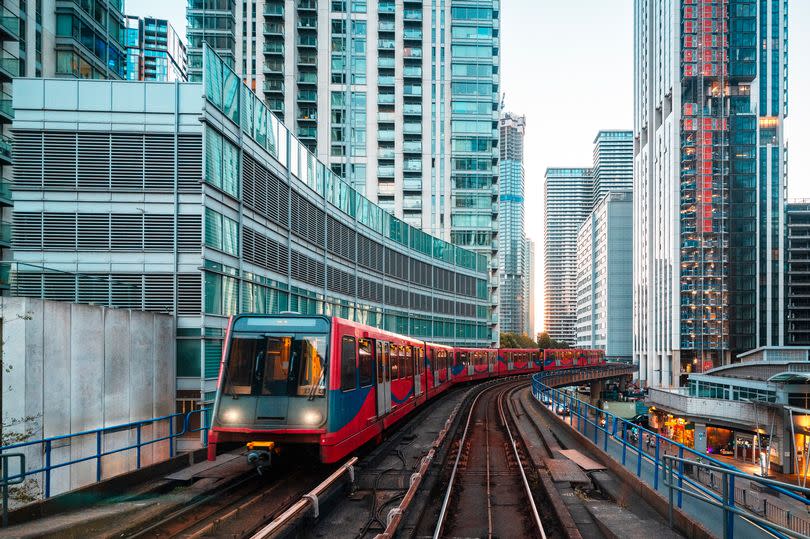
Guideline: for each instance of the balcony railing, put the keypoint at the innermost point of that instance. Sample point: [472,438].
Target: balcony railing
[10,26]
[5,149]
[10,67]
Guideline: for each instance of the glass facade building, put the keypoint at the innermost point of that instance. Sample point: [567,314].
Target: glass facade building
[10,39]
[797,310]
[155,51]
[567,205]
[228,214]
[512,254]
[612,163]
[710,103]
[398,98]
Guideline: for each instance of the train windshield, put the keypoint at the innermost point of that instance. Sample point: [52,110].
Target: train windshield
[277,365]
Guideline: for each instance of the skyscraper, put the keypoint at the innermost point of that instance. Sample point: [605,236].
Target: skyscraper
[10,37]
[399,98]
[612,162]
[605,277]
[567,203]
[512,237]
[710,102]
[155,51]
[528,284]
[72,38]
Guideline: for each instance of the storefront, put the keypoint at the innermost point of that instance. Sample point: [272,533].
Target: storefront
[719,441]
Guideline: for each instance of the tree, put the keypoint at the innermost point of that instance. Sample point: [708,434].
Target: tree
[546,342]
[514,340]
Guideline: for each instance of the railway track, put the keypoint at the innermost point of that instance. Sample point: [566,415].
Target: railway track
[488,493]
[238,509]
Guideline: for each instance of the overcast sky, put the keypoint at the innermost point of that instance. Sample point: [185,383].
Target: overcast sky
[568,66]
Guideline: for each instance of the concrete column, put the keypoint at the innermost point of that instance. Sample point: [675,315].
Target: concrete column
[700,437]
[596,392]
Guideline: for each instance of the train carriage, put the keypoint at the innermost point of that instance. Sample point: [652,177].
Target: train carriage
[335,385]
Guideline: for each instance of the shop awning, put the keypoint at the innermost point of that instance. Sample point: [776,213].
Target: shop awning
[791,378]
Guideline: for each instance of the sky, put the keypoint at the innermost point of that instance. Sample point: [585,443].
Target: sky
[568,66]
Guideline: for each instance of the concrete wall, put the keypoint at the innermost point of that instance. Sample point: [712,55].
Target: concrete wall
[80,367]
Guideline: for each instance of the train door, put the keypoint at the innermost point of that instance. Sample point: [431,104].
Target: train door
[509,363]
[418,369]
[471,363]
[491,359]
[383,379]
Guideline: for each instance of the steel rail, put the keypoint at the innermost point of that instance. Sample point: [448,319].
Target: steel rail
[526,486]
[311,498]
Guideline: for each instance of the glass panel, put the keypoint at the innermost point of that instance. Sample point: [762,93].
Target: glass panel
[239,376]
[310,354]
[348,364]
[366,362]
[276,366]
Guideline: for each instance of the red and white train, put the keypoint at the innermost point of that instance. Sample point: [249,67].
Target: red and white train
[327,382]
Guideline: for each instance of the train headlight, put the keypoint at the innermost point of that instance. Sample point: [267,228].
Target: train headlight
[231,415]
[313,417]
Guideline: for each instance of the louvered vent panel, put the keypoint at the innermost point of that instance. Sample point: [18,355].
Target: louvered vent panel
[158,292]
[93,231]
[189,233]
[59,286]
[127,161]
[27,230]
[127,290]
[189,294]
[158,232]
[27,159]
[189,162]
[59,231]
[28,284]
[264,252]
[59,163]
[93,172]
[93,289]
[127,231]
[160,162]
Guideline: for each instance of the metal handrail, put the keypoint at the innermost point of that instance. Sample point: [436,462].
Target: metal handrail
[46,444]
[616,429]
[310,498]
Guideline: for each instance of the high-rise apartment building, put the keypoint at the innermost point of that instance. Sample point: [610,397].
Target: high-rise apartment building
[612,162]
[398,97]
[566,205]
[512,255]
[797,285]
[155,51]
[605,277]
[72,38]
[710,103]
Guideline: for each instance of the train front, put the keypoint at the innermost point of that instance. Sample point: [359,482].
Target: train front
[272,384]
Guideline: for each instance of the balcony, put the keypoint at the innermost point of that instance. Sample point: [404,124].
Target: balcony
[413,15]
[308,96]
[413,33]
[386,6]
[385,172]
[274,47]
[308,41]
[385,99]
[307,132]
[5,151]
[308,23]
[307,78]
[411,203]
[308,60]
[307,5]
[412,109]
[385,80]
[410,184]
[412,128]
[386,44]
[384,62]
[273,10]
[9,27]
[308,116]
[5,192]
[385,136]
[412,71]
[5,234]
[387,26]
[274,86]
[412,146]
[273,29]
[273,68]
[9,68]
[6,110]
[385,153]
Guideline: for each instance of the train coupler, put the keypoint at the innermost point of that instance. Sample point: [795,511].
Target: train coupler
[260,454]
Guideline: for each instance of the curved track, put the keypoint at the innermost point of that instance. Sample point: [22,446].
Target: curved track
[488,493]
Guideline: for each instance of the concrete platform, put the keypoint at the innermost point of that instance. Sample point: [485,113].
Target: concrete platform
[566,470]
[223,465]
[76,525]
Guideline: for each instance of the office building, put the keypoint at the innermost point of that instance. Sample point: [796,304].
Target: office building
[567,203]
[605,277]
[70,38]
[612,162]
[208,206]
[512,256]
[155,51]
[710,103]
[797,284]
[529,285]
[399,98]
[10,37]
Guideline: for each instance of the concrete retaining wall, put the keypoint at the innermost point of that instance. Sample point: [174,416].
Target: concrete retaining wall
[81,367]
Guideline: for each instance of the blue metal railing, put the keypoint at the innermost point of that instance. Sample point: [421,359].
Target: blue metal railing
[46,445]
[664,462]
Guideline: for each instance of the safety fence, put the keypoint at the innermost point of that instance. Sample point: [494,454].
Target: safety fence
[712,492]
[93,445]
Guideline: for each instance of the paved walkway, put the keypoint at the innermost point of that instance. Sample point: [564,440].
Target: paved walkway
[778,509]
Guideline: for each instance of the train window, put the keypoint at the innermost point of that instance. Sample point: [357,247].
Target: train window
[420,360]
[366,362]
[348,363]
[380,363]
[308,355]
[394,362]
[239,376]
[407,362]
[276,366]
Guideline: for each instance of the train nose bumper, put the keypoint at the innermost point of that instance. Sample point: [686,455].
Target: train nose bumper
[260,454]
